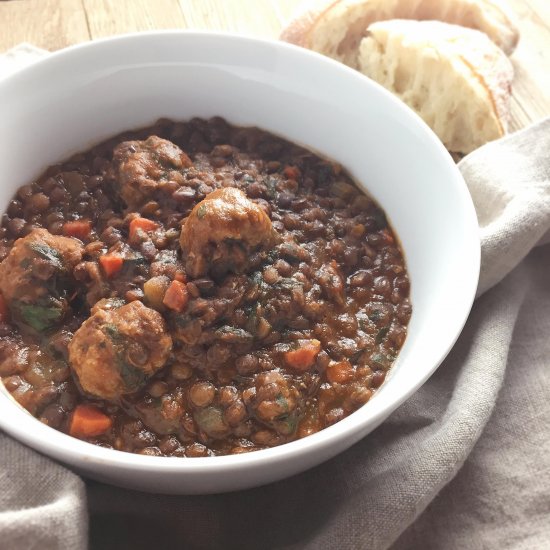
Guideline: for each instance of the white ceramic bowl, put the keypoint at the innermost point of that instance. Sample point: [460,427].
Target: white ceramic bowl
[79,96]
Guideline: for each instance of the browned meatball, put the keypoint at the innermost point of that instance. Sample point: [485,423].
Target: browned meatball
[222,231]
[116,350]
[36,275]
[142,166]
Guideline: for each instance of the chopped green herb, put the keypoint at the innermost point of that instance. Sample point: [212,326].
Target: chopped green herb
[156,402]
[362,320]
[282,402]
[257,279]
[58,284]
[47,253]
[201,211]
[132,377]
[38,316]
[286,424]
[132,264]
[379,359]
[113,303]
[272,255]
[111,331]
[284,347]
[210,420]
[169,257]
[253,318]
[182,320]
[324,174]
[381,335]
[375,315]
[134,260]
[380,219]
[287,283]
[356,356]
[271,184]
[233,334]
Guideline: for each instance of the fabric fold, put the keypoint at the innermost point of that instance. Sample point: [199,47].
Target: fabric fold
[42,504]
[509,183]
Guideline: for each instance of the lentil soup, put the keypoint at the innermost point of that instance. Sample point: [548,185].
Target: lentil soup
[197,289]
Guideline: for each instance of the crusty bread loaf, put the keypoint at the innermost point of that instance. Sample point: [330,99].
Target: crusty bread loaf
[335,27]
[455,78]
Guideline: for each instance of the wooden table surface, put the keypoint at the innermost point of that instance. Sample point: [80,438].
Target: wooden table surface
[54,24]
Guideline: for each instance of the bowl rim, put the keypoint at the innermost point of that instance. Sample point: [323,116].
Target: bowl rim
[32,432]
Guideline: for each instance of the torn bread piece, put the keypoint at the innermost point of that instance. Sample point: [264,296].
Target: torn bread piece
[455,78]
[335,28]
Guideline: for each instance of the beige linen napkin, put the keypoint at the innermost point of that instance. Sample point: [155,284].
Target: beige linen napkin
[485,414]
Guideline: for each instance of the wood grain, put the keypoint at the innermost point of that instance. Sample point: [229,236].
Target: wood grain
[107,17]
[54,24]
[531,87]
[241,16]
[48,24]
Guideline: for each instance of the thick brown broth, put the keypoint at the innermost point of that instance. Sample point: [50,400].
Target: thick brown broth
[219,292]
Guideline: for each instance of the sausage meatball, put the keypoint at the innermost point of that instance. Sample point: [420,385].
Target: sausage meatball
[35,276]
[142,166]
[115,351]
[222,231]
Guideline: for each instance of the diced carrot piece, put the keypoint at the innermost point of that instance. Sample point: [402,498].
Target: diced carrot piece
[291,172]
[176,296]
[80,229]
[88,421]
[388,237]
[4,312]
[143,224]
[111,264]
[340,372]
[180,276]
[304,356]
